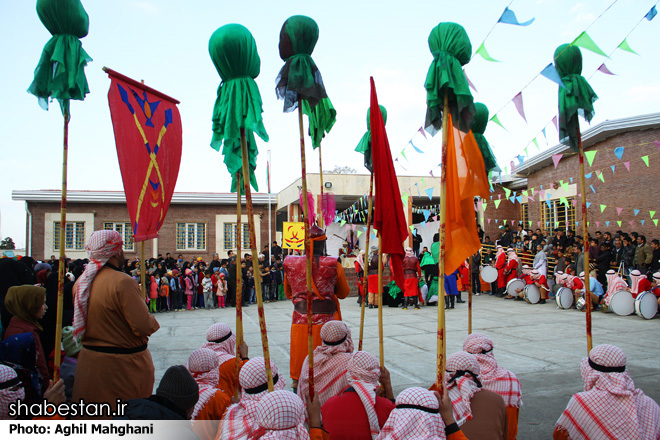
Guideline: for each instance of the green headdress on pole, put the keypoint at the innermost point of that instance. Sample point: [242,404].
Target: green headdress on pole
[60,73]
[234,54]
[478,128]
[451,49]
[364,146]
[577,98]
[300,78]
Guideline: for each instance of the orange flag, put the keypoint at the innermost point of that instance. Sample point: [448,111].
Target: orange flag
[466,179]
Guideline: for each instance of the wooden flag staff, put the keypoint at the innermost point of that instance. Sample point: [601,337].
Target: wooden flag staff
[442,343]
[239,284]
[308,255]
[587,288]
[320,219]
[255,258]
[381,350]
[470,296]
[365,278]
[62,264]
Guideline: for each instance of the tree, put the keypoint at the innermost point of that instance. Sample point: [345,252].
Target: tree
[7,243]
[341,170]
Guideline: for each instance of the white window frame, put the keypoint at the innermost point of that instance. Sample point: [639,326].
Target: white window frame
[221,219]
[194,228]
[245,236]
[125,229]
[78,236]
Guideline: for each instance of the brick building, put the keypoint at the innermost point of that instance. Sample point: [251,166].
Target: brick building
[623,193]
[197,224]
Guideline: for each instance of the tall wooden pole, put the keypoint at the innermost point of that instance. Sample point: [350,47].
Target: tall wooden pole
[320,220]
[587,289]
[365,278]
[442,343]
[471,261]
[143,269]
[255,259]
[308,255]
[62,264]
[381,350]
[239,284]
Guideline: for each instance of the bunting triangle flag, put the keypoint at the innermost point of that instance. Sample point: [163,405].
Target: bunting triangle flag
[509,17]
[518,102]
[550,72]
[590,155]
[571,180]
[636,212]
[652,213]
[484,53]
[544,135]
[613,168]
[556,158]
[530,223]
[497,203]
[607,223]
[631,222]
[619,211]
[507,192]
[600,176]
[618,152]
[554,121]
[642,222]
[625,46]
[415,148]
[521,159]
[588,175]
[469,83]
[403,153]
[646,160]
[588,205]
[496,120]
[618,222]
[598,224]
[513,199]
[592,188]
[421,130]
[603,68]
[627,165]
[650,16]
[427,213]
[585,41]
[655,221]
[535,143]
[429,192]
[359,233]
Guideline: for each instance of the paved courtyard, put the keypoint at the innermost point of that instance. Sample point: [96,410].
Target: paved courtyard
[541,344]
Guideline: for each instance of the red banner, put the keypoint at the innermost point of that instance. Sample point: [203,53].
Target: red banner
[147,128]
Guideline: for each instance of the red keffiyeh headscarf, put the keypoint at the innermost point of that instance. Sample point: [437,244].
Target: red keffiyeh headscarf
[330,362]
[614,284]
[203,365]
[462,379]
[363,375]
[493,377]
[281,416]
[240,419]
[512,254]
[635,277]
[11,390]
[102,246]
[500,251]
[416,416]
[221,341]
[610,406]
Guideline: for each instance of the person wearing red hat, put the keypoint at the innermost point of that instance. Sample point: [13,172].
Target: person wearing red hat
[328,284]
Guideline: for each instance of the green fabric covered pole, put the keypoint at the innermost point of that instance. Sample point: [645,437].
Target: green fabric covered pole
[364,146]
[238,105]
[478,128]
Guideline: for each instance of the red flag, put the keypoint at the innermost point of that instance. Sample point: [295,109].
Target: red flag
[389,219]
[147,128]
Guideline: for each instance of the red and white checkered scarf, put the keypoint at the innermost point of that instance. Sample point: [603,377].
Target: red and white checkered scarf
[462,388]
[203,365]
[610,406]
[493,377]
[560,277]
[635,278]
[281,416]
[239,421]
[511,255]
[363,375]
[9,380]
[415,417]
[614,284]
[330,362]
[102,246]
[226,349]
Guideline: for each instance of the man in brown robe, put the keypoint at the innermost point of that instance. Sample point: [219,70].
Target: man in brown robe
[113,324]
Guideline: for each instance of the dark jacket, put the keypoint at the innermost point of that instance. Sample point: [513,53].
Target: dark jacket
[18,326]
[629,255]
[152,408]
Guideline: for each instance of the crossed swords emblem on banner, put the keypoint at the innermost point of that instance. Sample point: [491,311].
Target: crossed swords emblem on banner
[148,109]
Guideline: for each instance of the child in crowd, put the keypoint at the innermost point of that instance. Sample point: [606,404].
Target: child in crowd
[250,285]
[163,293]
[207,289]
[221,292]
[152,291]
[190,288]
[68,367]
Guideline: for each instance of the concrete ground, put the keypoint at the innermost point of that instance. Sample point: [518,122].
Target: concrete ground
[540,343]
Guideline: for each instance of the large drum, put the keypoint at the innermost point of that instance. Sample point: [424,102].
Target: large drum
[532,294]
[489,274]
[646,305]
[621,303]
[564,298]
[514,285]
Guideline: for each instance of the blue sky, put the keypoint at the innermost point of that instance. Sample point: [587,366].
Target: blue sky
[165,43]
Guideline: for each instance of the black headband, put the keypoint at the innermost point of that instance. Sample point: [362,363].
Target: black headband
[605,369]
[418,407]
[223,339]
[341,341]
[261,388]
[487,351]
[461,373]
[10,383]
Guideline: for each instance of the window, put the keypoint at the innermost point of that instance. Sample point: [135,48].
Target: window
[524,215]
[74,236]
[191,236]
[230,236]
[559,214]
[125,230]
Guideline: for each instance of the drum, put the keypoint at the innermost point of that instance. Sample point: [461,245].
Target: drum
[646,305]
[514,285]
[621,303]
[564,298]
[489,274]
[532,294]
[581,304]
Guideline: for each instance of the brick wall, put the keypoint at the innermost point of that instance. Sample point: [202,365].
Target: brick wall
[637,189]
[507,211]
